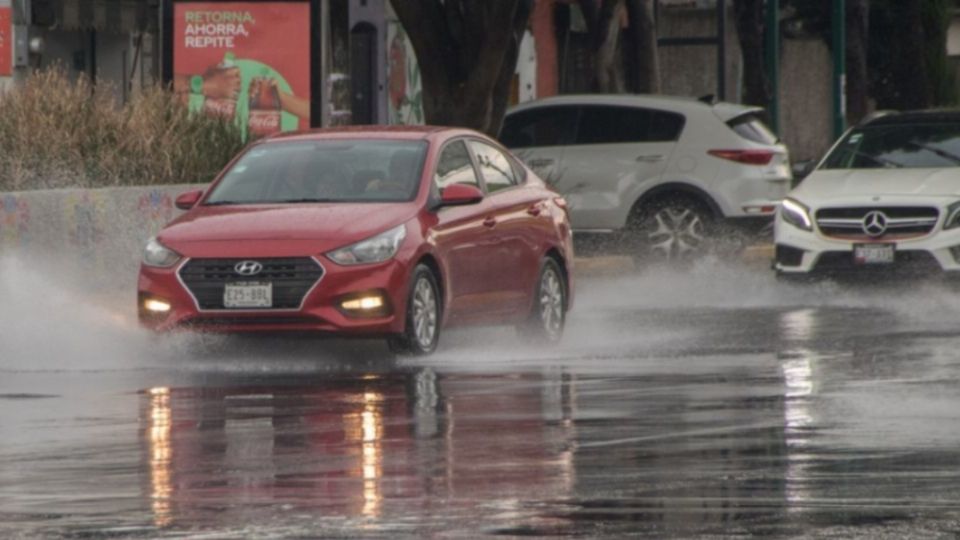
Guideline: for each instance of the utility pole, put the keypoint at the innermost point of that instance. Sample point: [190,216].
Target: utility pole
[773,62]
[839,67]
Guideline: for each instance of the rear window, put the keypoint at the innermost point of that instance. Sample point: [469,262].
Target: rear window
[752,128]
[895,146]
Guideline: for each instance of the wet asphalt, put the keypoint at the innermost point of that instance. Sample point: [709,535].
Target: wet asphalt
[708,403]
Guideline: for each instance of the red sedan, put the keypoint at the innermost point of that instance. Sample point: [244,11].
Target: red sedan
[389,232]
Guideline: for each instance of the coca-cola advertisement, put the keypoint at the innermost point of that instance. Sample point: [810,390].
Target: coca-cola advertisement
[246,61]
[6,43]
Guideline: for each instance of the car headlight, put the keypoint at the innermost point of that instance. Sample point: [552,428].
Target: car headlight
[159,255]
[796,214]
[372,250]
[953,216]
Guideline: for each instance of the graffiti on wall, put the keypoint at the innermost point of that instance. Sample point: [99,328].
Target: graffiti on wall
[14,220]
[403,75]
[156,209]
[85,212]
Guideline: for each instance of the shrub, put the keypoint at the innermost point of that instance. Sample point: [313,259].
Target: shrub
[56,132]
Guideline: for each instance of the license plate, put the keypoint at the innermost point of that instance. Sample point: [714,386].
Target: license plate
[873,253]
[248,294]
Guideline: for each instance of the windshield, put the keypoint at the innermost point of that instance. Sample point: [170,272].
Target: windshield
[895,146]
[324,171]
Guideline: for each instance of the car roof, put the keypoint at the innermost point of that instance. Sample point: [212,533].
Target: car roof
[368,131]
[722,109]
[929,116]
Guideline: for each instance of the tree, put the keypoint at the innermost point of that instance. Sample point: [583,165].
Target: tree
[815,16]
[750,16]
[467,51]
[604,25]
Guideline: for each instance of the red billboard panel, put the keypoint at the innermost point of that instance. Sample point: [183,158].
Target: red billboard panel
[248,61]
[6,42]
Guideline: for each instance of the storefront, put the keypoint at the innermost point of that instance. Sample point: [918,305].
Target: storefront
[110,41]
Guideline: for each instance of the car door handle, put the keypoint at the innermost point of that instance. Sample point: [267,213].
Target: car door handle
[534,210]
[540,162]
[650,158]
[490,222]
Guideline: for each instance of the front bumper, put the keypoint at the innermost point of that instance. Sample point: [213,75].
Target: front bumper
[319,311]
[799,252]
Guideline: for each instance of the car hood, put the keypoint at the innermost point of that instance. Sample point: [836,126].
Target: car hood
[843,184]
[280,230]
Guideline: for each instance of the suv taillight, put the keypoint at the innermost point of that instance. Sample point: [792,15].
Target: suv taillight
[747,157]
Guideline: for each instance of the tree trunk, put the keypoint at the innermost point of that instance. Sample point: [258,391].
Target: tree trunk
[909,67]
[467,51]
[750,22]
[608,71]
[643,39]
[858,97]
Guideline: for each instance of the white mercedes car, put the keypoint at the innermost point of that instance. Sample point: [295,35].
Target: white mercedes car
[884,201]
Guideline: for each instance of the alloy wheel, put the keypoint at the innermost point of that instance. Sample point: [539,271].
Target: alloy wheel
[676,233]
[424,313]
[551,303]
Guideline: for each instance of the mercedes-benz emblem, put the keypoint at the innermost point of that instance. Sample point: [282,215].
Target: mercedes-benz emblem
[248,268]
[875,223]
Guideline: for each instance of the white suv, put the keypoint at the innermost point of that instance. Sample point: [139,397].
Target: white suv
[885,201]
[663,173]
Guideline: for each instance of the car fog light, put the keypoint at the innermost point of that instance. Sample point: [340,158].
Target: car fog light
[955,251]
[154,305]
[366,304]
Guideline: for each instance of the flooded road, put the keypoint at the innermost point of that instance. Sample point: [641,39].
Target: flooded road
[703,404]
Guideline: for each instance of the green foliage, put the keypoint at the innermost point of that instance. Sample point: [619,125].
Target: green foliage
[55,133]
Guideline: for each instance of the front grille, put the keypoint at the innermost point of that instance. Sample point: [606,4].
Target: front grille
[250,321]
[901,221]
[913,263]
[292,278]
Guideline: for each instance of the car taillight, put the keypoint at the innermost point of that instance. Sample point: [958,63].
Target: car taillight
[747,157]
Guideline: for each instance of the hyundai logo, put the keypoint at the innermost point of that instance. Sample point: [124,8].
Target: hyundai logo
[248,268]
[875,223]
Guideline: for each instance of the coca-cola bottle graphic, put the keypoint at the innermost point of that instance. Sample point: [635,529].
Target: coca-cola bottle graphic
[264,106]
[225,107]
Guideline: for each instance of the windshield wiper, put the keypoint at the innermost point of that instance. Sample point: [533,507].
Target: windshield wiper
[221,203]
[942,153]
[305,200]
[878,160]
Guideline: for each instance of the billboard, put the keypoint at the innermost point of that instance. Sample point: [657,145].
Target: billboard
[247,61]
[6,43]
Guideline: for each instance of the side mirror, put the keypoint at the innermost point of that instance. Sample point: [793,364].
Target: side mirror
[460,194]
[801,170]
[188,200]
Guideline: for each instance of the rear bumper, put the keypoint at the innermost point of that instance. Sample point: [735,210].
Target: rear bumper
[320,310]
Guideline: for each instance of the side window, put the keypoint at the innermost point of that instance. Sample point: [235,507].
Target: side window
[494,166]
[454,167]
[665,126]
[544,126]
[602,124]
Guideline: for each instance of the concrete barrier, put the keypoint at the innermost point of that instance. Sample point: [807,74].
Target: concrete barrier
[101,231]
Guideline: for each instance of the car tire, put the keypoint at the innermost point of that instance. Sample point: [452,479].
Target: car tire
[671,230]
[548,316]
[423,317]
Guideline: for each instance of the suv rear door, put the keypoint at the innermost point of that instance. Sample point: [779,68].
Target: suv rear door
[618,153]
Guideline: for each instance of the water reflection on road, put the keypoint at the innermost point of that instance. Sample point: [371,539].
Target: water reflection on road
[738,410]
